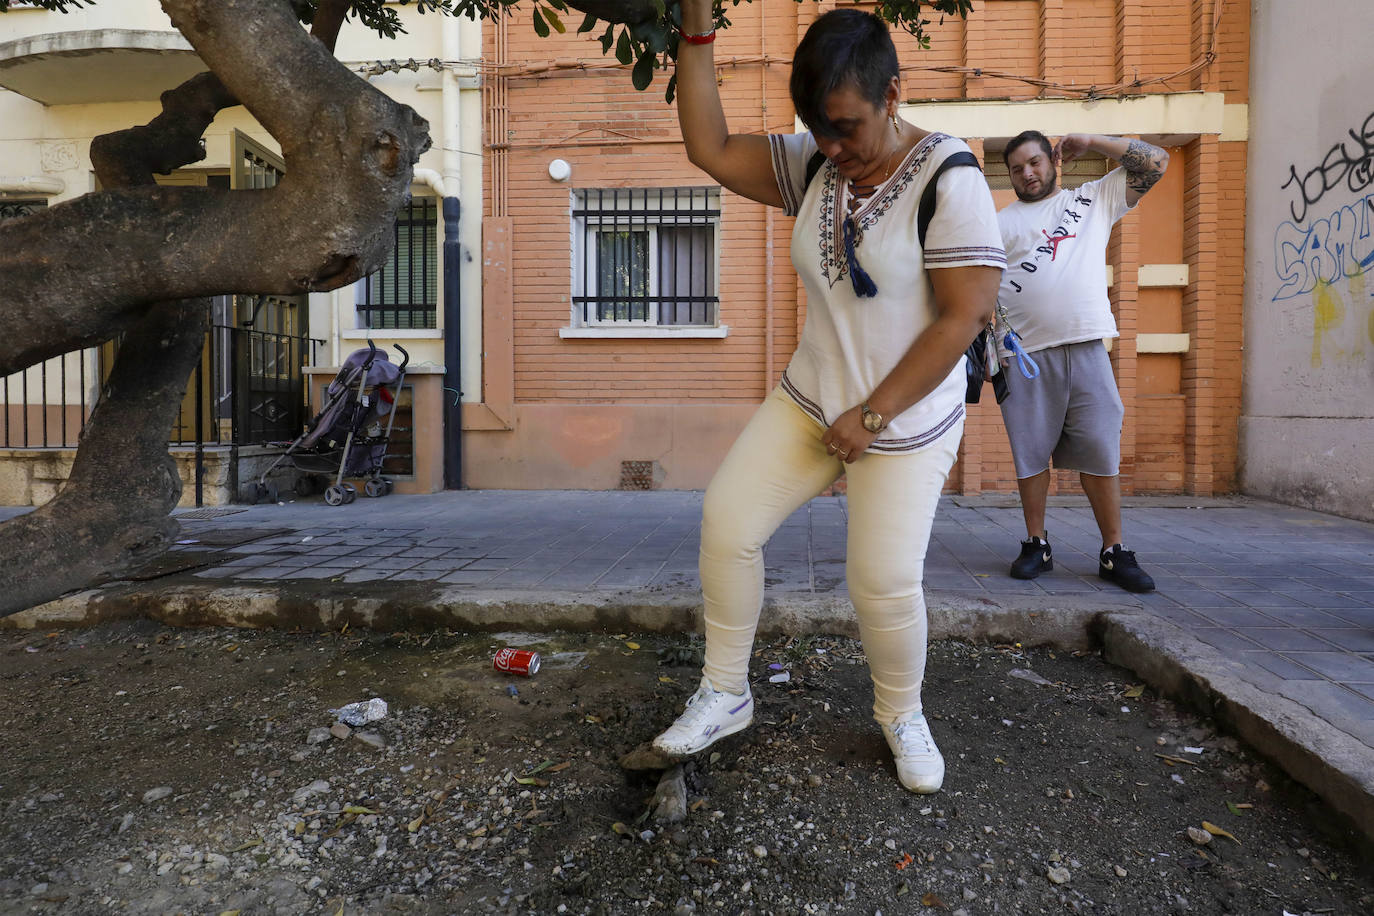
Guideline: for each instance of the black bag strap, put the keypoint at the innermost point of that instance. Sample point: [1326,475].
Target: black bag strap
[813,165]
[926,211]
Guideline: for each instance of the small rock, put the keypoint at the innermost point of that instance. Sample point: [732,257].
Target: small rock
[317,787]
[156,795]
[814,781]
[317,735]
[1058,874]
[969,895]
[1199,836]
[362,713]
[371,739]
[1120,872]
[761,851]
[125,822]
[1026,674]
[340,730]
[670,798]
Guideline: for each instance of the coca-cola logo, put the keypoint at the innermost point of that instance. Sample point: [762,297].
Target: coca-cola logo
[504,659]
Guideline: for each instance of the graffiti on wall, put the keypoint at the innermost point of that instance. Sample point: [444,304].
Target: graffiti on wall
[1327,257]
[1352,167]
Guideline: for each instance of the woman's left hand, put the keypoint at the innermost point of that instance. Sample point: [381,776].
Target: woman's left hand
[846,438]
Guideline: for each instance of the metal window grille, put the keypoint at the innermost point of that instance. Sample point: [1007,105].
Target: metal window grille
[645,256]
[404,292]
[9,209]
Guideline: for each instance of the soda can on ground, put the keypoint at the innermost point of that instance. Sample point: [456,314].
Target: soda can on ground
[517,661]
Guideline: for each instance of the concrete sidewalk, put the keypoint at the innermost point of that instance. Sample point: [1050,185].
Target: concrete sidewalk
[1264,614]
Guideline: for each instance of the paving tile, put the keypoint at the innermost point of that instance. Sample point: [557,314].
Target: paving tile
[1235,617]
[1338,666]
[1345,709]
[1277,664]
[1225,640]
[1283,639]
[1352,639]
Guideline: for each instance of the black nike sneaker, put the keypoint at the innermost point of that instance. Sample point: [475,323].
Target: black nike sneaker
[1036,557]
[1118,565]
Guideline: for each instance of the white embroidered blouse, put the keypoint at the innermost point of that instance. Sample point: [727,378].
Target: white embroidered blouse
[850,344]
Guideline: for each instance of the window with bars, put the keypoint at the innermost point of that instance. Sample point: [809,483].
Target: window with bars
[11,208]
[404,292]
[645,256]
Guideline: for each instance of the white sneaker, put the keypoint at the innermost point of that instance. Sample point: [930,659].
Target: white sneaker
[920,766]
[710,716]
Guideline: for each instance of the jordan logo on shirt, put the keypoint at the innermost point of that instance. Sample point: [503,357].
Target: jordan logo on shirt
[1055,240]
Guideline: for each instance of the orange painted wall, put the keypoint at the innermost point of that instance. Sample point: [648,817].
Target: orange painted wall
[567,412]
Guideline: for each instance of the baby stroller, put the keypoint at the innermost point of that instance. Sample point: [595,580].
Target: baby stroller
[346,438]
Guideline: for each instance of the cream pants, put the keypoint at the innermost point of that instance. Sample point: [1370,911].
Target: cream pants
[773,469]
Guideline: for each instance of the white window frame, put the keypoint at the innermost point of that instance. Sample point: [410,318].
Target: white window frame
[583,322]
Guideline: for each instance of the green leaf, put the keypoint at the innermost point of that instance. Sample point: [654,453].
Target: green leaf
[587,25]
[541,28]
[608,37]
[643,73]
[671,91]
[555,21]
[622,47]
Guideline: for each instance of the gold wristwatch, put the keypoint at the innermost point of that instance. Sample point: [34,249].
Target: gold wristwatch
[873,422]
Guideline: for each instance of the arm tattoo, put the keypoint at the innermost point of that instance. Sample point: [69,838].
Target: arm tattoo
[1144,165]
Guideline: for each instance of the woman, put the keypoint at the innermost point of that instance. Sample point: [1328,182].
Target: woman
[875,388]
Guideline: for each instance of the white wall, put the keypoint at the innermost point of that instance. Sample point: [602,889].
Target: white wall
[53,142]
[1307,425]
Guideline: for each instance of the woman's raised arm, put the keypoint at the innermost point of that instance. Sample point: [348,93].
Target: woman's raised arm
[743,163]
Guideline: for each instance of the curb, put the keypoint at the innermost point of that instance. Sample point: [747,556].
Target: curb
[1068,623]
[1331,763]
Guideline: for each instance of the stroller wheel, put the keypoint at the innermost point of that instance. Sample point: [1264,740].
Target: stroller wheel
[335,496]
[350,492]
[389,484]
[269,493]
[375,488]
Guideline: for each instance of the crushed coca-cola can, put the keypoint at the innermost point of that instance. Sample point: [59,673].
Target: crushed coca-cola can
[517,661]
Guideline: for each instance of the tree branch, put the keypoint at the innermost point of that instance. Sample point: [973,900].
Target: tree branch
[350,153]
[170,141]
[329,18]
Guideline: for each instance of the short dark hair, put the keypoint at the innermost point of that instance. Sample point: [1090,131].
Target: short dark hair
[1028,136]
[844,47]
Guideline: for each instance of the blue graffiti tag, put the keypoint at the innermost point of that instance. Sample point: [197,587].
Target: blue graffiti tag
[1330,249]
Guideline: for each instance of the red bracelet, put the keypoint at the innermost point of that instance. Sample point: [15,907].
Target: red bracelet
[701,38]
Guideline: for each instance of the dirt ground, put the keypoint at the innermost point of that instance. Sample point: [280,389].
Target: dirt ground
[145,769]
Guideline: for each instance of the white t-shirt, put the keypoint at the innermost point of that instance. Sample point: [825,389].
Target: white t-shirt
[1055,285]
[850,344]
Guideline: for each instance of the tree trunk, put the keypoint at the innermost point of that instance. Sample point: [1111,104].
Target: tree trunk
[138,259]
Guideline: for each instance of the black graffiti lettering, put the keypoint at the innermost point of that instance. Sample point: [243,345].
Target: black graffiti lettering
[1353,167]
[1085,201]
[1059,231]
[1077,217]
[1015,284]
[1029,267]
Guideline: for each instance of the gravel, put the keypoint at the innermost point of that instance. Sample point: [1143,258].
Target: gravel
[153,770]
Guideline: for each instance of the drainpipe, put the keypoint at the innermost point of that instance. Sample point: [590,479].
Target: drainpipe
[451,159]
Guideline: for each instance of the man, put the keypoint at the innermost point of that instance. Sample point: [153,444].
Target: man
[1054,295]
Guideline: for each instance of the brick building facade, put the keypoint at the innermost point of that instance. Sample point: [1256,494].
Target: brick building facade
[572,401]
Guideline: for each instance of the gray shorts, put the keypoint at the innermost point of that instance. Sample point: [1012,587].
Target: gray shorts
[1071,413]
